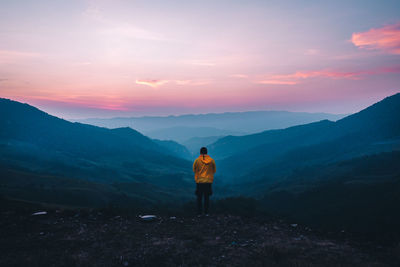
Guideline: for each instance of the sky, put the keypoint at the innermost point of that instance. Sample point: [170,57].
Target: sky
[79,59]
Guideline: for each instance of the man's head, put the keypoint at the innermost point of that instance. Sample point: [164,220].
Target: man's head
[203,150]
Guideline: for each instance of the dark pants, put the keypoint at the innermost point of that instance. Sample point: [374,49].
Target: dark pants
[203,190]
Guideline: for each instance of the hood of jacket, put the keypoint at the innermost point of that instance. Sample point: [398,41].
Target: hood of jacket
[206,159]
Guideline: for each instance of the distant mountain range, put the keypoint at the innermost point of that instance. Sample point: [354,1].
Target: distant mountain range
[184,127]
[182,134]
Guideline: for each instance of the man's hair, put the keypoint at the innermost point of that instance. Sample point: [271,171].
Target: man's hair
[203,150]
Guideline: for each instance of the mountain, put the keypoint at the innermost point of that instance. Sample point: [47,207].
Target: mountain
[231,145]
[175,148]
[183,127]
[276,152]
[121,162]
[381,120]
[24,123]
[336,175]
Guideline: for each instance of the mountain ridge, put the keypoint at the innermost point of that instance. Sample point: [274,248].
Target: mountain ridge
[228,123]
[269,146]
[38,145]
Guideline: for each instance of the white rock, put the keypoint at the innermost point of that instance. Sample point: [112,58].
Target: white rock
[40,213]
[148,217]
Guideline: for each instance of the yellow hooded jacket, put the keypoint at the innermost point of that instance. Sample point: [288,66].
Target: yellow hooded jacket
[204,169]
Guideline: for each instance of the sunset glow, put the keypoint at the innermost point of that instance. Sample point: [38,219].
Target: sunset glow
[80,59]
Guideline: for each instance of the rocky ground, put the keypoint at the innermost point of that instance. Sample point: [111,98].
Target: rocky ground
[95,238]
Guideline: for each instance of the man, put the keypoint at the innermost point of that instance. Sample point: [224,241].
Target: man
[204,169]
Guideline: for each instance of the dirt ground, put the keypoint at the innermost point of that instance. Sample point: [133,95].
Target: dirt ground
[91,238]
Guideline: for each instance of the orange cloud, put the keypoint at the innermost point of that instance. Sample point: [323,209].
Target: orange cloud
[386,39]
[277,82]
[156,83]
[152,83]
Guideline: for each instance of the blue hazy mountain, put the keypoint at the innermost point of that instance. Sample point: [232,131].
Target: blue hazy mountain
[175,148]
[38,146]
[24,123]
[183,127]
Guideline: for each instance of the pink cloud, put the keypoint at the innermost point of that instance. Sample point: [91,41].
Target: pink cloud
[311,52]
[241,76]
[295,78]
[189,82]
[320,73]
[200,63]
[386,38]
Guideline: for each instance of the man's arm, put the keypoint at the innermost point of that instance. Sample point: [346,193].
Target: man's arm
[195,166]
[215,166]
[195,170]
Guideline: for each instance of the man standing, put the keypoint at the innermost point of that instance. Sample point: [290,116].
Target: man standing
[204,169]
